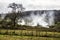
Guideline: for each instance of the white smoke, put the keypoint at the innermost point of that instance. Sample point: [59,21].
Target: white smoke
[51,18]
[44,19]
[21,22]
[39,19]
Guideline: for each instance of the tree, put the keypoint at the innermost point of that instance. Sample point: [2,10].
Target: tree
[57,26]
[20,7]
[15,6]
[14,15]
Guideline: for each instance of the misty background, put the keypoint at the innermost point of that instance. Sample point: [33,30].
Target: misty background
[36,12]
[31,5]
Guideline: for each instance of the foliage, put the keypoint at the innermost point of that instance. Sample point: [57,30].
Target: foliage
[15,6]
[57,26]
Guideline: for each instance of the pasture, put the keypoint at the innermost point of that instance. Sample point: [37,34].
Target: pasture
[28,35]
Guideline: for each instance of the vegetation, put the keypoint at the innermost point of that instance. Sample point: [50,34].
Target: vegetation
[10,30]
[30,33]
[12,37]
[14,15]
[10,20]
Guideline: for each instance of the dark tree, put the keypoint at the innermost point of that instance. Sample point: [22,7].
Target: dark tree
[20,7]
[13,6]
[14,15]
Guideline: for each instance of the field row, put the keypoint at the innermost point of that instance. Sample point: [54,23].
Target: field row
[8,37]
[30,33]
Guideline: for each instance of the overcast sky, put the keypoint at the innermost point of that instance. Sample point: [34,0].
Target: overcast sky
[31,4]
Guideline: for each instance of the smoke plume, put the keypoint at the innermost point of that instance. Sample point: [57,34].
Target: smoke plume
[44,19]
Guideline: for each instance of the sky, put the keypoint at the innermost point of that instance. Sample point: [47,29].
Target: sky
[31,5]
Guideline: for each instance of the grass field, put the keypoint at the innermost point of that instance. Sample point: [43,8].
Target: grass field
[9,37]
[28,35]
[12,37]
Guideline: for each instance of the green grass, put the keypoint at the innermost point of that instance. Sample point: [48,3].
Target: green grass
[30,33]
[8,37]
